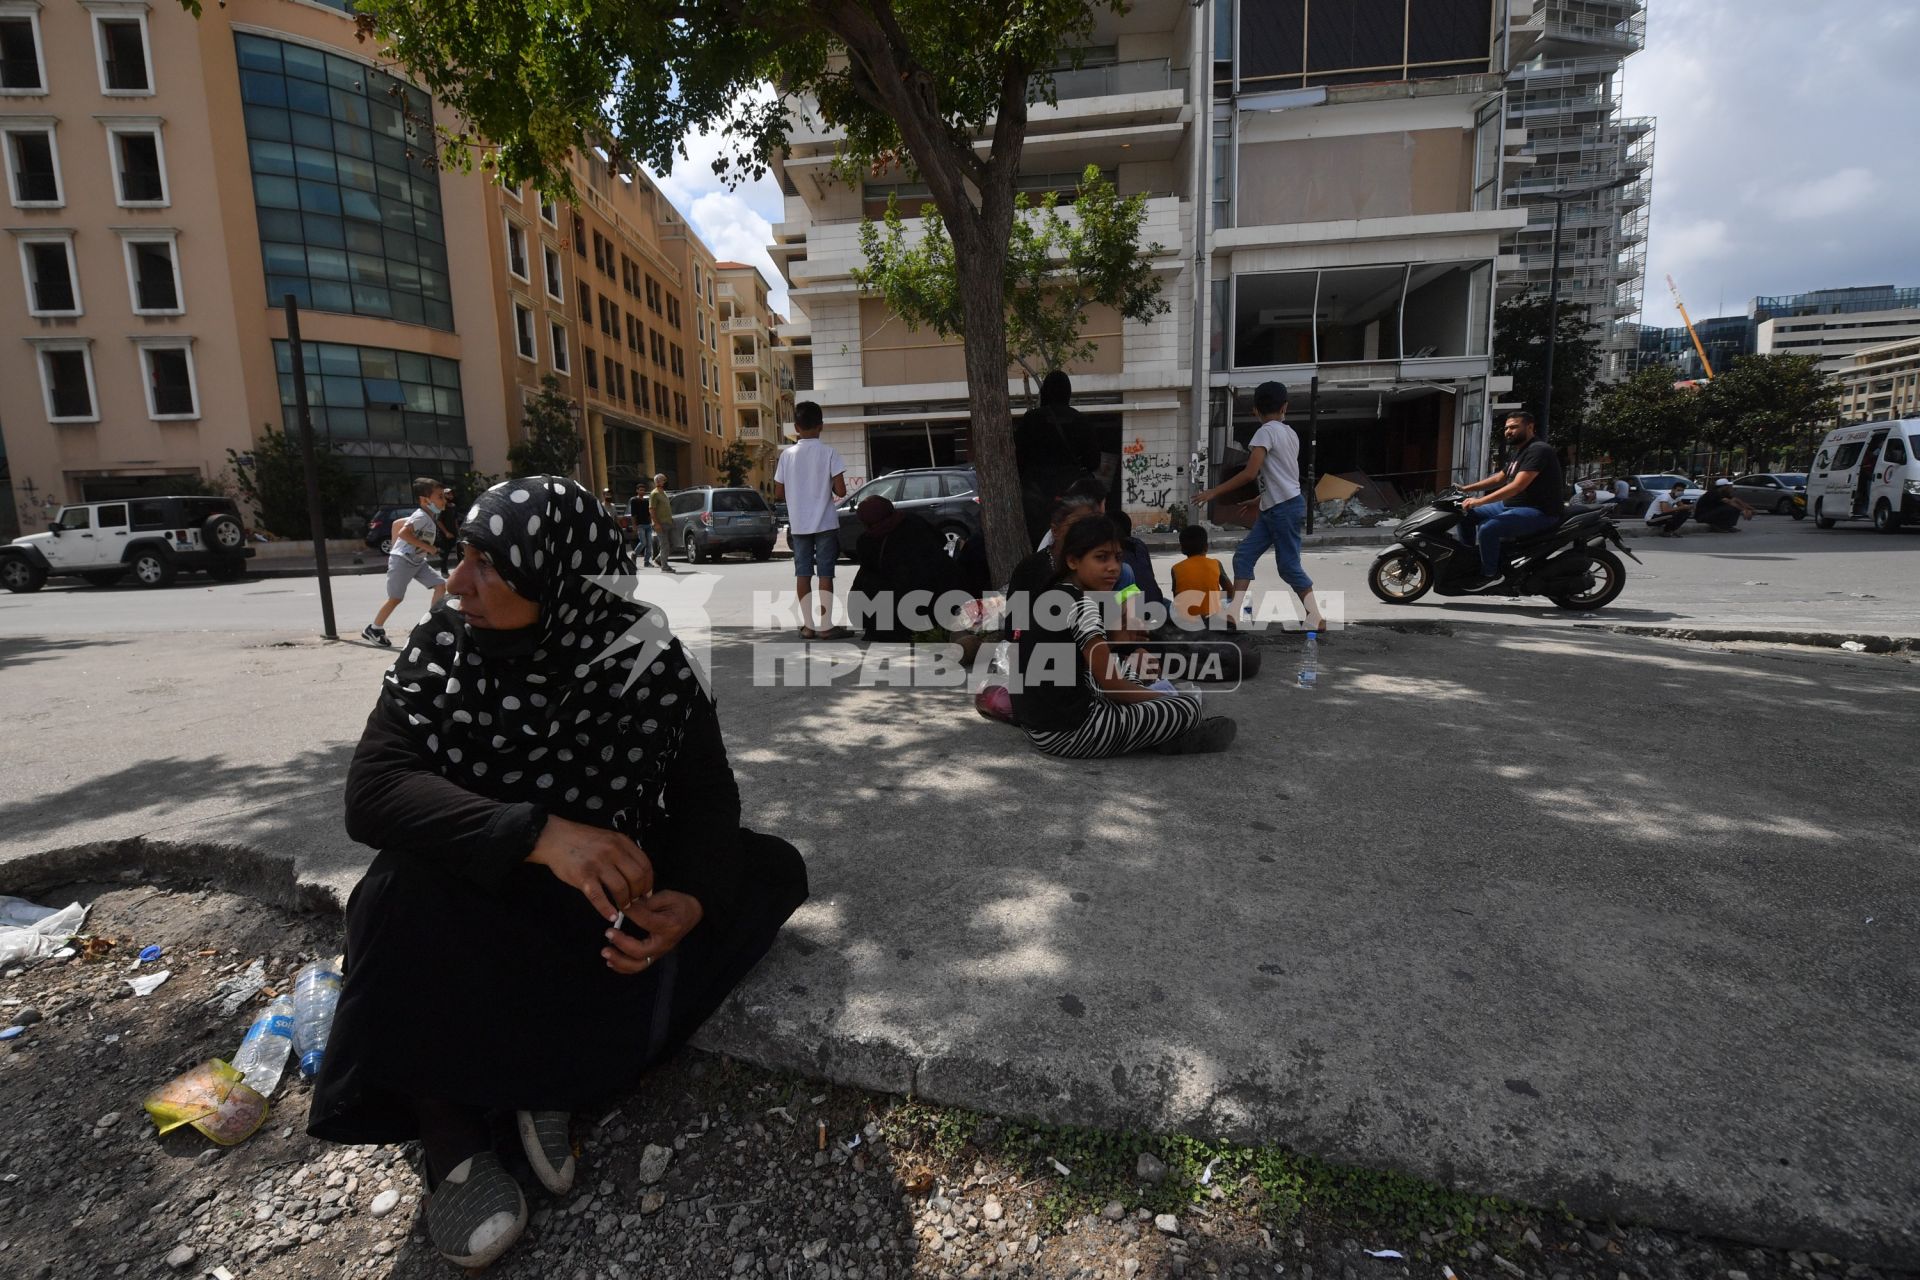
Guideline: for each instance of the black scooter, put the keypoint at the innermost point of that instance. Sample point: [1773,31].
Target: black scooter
[1569,564]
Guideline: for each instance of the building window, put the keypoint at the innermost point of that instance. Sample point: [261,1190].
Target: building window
[679,408]
[523,331]
[153,275]
[673,312]
[171,390]
[33,168]
[679,364]
[579,235]
[350,217]
[660,400]
[633,334]
[121,41]
[550,266]
[616,385]
[53,280]
[66,382]
[21,58]
[557,340]
[586,303]
[139,166]
[516,252]
[550,214]
[591,366]
[639,390]
[394,414]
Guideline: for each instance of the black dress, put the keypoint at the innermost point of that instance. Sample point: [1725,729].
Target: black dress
[475,978]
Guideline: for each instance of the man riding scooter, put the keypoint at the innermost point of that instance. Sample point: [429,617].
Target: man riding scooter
[1528,496]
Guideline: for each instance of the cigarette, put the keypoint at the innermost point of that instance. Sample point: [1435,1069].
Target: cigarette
[619,918]
[821,1134]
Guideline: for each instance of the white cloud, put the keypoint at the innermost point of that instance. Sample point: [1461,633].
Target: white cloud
[737,223]
[1770,112]
[1827,197]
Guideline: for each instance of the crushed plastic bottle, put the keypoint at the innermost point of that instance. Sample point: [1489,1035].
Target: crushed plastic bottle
[262,1058]
[316,994]
[1310,662]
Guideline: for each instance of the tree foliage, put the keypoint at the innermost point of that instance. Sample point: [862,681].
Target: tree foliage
[1057,267]
[736,460]
[274,484]
[1769,406]
[549,443]
[1520,349]
[1645,421]
[937,90]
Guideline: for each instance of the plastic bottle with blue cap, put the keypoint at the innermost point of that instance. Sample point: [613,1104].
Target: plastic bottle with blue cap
[316,994]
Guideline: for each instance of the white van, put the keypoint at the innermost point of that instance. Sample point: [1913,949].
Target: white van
[1869,471]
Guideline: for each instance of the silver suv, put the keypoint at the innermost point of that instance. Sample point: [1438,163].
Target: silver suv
[709,522]
[150,538]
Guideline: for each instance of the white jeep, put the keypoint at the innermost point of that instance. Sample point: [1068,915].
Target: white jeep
[151,538]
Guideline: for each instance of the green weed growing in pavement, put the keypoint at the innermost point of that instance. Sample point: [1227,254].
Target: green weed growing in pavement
[1284,1188]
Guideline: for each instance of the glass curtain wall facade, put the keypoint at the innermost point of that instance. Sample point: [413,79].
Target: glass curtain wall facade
[350,219]
[391,415]
[1351,315]
[1299,44]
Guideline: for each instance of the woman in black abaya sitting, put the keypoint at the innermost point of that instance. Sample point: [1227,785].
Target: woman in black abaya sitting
[563,891]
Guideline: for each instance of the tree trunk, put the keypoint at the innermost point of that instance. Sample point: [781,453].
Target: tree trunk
[984,332]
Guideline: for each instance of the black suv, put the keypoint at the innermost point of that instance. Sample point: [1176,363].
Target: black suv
[151,538]
[948,498]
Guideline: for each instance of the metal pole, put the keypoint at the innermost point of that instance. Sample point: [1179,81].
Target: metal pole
[1553,319]
[1200,93]
[1313,445]
[316,524]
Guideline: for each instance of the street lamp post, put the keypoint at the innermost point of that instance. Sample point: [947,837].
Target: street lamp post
[1553,311]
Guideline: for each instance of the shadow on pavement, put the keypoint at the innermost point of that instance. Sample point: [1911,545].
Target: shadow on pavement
[20,651]
[1569,917]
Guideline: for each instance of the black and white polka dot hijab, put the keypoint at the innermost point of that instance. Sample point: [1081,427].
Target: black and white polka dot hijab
[548,714]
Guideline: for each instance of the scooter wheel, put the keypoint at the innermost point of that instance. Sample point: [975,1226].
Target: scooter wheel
[1400,577]
[1602,582]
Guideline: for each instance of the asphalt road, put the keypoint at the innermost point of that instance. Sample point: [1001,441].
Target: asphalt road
[1775,575]
[1532,908]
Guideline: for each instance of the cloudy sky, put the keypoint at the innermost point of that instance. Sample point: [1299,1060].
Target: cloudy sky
[1784,157]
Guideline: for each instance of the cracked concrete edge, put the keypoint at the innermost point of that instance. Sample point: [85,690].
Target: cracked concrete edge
[1875,643]
[1242,1113]
[137,860]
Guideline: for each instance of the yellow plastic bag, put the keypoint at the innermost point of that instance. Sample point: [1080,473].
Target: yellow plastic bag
[212,1099]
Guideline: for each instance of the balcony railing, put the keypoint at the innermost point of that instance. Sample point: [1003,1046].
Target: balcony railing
[1149,75]
[741,324]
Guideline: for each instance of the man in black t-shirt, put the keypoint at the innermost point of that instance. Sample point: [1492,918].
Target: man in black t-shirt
[1528,496]
[1718,509]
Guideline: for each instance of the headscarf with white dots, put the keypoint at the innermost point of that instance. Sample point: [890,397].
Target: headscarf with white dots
[540,715]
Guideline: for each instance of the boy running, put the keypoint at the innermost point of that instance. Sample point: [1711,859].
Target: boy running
[413,543]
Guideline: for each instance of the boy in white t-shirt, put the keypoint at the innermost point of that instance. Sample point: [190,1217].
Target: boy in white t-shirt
[408,562]
[1274,464]
[811,479]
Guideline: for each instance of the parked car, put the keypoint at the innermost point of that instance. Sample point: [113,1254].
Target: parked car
[709,522]
[1640,491]
[151,538]
[1868,471]
[380,525]
[947,498]
[1770,490]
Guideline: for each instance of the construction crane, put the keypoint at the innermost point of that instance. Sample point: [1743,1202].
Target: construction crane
[1687,320]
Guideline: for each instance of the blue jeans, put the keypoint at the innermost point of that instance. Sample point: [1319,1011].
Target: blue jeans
[1278,527]
[1492,523]
[814,554]
[643,543]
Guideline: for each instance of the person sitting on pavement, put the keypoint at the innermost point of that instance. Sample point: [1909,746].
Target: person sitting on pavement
[1525,499]
[899,553]
[1588,496]
[1199,582]
[563,891]
[1668,511]
[1719,509]
[1140,562]
[1621,488]
[1069,693]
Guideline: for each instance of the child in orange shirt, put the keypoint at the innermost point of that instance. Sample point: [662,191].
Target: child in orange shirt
[1197,582]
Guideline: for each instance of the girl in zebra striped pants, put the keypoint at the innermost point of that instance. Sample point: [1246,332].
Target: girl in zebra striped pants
[1069,694]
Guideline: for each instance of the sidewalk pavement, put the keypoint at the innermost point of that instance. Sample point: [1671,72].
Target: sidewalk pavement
[1658,964]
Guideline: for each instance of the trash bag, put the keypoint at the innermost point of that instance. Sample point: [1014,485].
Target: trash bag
[32,932]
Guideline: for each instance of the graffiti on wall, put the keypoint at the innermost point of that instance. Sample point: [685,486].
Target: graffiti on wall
[1149,477]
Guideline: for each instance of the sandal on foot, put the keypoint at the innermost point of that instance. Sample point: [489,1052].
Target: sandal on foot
[544,1137]
[476,1213]
[808,633]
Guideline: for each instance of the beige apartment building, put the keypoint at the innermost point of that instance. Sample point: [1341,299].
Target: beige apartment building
[169,181]
[1882,383]
[749,347]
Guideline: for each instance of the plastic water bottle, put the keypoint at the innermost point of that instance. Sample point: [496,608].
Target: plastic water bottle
[316,993]
[263,1054]
[1310,662]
